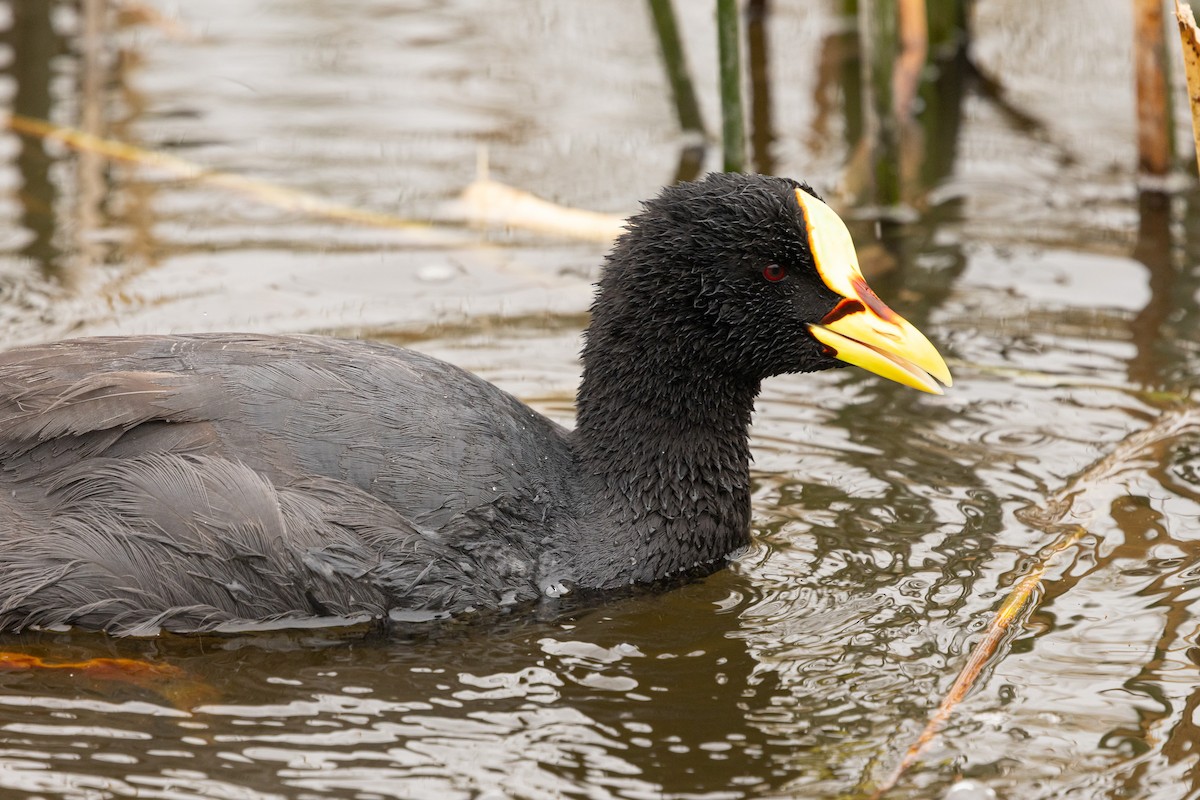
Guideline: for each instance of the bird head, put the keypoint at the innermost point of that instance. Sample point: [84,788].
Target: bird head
[756,276]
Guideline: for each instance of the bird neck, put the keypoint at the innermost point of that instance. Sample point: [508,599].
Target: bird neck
[668,445]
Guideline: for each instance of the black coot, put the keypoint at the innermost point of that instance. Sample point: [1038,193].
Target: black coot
[188,483]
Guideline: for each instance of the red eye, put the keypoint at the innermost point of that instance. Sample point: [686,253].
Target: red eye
[774,273]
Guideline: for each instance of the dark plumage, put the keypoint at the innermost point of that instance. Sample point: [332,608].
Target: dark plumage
[192,482]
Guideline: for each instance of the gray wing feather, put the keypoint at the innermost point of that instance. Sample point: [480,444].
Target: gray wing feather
[194,482]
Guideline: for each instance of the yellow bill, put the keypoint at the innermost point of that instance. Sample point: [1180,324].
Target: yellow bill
[861,329]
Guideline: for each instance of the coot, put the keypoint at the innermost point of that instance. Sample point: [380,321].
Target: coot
[190,483]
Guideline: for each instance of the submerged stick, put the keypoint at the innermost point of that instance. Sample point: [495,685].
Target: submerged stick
[175,684]
[981,653]
[1066,513]
[733,123]
[1190,36]
[485,202]
[279,196]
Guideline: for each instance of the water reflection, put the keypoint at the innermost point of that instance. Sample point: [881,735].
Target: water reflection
[33,43]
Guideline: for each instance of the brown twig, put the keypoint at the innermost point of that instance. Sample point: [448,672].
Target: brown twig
[1067,514]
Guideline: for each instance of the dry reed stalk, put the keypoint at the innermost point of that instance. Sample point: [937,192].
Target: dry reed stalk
[1153,111]
[1190,36]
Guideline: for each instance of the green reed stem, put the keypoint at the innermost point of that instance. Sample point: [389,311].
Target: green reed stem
[686,107]
[733,125]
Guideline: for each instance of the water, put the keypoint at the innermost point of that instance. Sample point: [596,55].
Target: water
[887,523]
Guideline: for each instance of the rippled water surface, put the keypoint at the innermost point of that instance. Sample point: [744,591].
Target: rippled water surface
[888,525]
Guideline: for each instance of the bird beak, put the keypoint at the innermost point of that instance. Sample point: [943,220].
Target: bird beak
[861,329]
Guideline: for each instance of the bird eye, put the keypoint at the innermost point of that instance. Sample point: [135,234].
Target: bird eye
[774,273]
